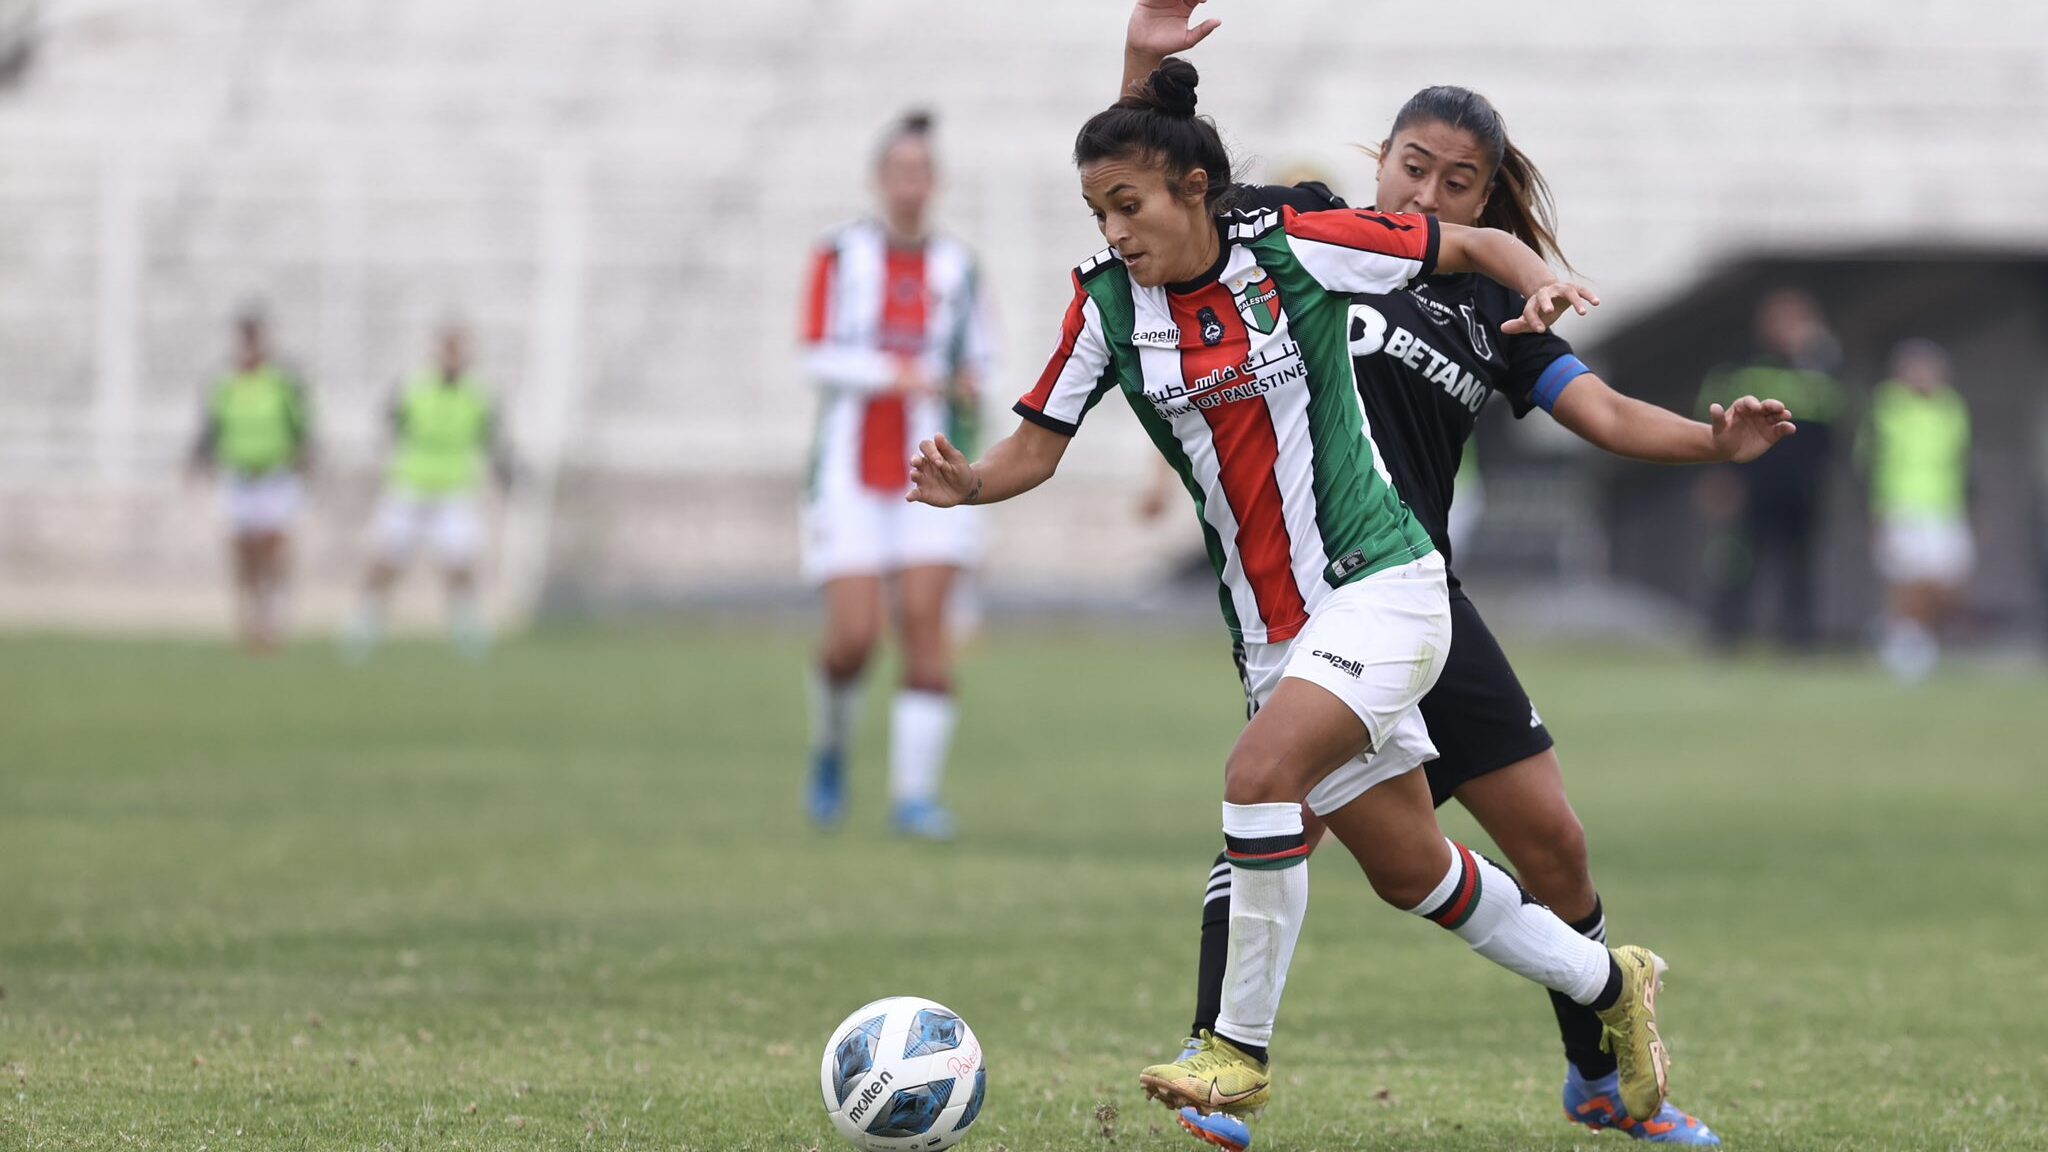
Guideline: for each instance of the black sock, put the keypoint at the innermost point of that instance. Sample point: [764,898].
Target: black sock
[1610,993]
[1579,1024]
[1255,1051]
[1215,947]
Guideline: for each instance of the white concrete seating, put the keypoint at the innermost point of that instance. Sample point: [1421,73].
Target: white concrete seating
[368,166]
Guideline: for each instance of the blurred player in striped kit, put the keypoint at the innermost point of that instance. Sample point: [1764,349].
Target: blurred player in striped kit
[896,341]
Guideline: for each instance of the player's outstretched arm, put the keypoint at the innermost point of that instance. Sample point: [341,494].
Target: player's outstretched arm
[1626,426]
[1158,29]
[1504,259]
[940,474]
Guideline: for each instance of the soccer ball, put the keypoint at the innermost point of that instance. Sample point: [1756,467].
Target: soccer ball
[903,1073]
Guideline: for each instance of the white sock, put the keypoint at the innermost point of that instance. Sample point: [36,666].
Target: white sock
[366,627]
[1485,908]
[466,624]
[834,708]
[1268,900]
[270,611]
[1910,651]
[920,735]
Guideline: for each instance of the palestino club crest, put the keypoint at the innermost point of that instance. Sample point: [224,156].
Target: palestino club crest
[1258,300]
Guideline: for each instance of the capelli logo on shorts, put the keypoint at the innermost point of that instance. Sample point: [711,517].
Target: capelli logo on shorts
[1355,667]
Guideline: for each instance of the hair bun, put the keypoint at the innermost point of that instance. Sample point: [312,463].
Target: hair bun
[1171,87]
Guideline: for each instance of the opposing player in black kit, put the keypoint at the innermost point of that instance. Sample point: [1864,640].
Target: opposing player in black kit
[1427,361]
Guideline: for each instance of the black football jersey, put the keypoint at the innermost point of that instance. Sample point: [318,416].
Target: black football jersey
[1427,360]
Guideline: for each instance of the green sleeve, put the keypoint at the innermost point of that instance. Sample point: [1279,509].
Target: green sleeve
[299,412]
[1714,390]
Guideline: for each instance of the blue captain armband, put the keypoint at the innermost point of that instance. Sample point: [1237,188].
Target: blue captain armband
[1550,385]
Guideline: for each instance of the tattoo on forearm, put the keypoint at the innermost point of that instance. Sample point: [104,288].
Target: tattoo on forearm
[973,493]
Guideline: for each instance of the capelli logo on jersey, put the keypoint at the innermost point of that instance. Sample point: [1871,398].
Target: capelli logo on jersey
[1157,338]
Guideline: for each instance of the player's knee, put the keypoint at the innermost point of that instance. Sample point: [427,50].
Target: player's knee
[1406,882]
[846,653]
[1553,865]
[1259,772]
[928,677]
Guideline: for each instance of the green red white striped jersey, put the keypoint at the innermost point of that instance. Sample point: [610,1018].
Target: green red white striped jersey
[870,307]
[1242,378]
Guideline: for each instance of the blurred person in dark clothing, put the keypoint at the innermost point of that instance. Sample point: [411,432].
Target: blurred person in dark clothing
[1769,512]
[1917,450]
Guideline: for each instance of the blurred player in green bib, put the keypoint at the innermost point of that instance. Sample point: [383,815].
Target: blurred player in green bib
[445,445]
[1917,447]
[255,437]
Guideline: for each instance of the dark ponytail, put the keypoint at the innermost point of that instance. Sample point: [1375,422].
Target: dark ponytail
[916,124]
[1156,120]
[1519,201]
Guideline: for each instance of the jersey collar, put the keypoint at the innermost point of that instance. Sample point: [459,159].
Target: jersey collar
[1215,270]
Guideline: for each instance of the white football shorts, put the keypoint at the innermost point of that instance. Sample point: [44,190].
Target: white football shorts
[1925,550]
[852,530]
[1378,644]
[452,526]
[257,505]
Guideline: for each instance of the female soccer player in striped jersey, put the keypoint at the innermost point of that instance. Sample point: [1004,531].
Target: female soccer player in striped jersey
[1226,333]
[1427,360]
[896,341]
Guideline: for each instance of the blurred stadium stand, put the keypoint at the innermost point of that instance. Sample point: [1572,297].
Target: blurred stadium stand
[619,195]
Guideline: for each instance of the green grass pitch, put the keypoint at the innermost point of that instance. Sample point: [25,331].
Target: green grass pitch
[567,900]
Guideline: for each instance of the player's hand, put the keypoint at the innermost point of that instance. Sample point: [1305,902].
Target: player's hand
[1548,303]
[1160,28]
[941,476]
[1747,428]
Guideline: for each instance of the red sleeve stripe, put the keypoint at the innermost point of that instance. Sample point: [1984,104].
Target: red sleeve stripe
[821,294]
[1070,334]
[1405,235]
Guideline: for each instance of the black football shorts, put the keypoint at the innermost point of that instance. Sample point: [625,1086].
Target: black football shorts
[1479,718]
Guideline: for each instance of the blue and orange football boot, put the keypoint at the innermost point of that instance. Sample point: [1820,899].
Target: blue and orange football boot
[1597,1105]
[827,797]
[922,820]
[1218,1128]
